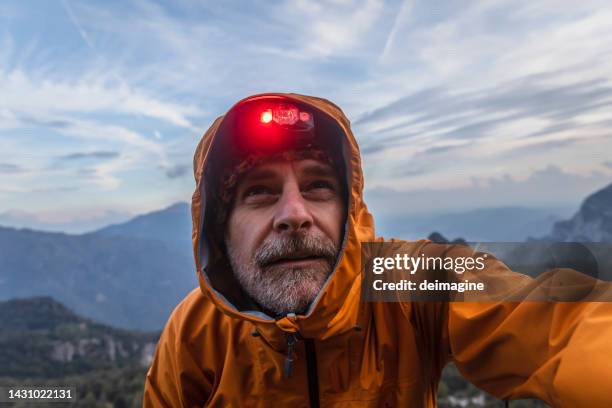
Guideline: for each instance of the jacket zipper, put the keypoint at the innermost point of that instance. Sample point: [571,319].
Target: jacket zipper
[292,339]
[311,366]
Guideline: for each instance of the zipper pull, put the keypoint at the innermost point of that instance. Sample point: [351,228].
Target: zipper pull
[292,340]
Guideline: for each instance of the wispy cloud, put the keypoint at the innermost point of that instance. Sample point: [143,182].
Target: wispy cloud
[95,92]
[332,28]
[76,23]
[100,154]
[400,19]
[477,129]
[491,192]
[178,170]
[10,168]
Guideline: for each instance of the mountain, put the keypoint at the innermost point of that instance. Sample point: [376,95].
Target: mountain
[171,225]
[441,239]
[503,224]
[592,222]
[42,338]
[120,280]
[44,344]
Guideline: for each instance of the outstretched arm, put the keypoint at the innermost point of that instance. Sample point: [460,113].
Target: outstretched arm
[559,352]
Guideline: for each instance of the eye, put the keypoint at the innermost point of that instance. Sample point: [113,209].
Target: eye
[320,190]
[256,190]
[320,184]
[259,194]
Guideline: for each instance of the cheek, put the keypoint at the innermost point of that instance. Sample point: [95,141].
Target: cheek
[331,217]
[243,233]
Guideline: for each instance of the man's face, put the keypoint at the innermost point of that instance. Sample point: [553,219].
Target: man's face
[284,231]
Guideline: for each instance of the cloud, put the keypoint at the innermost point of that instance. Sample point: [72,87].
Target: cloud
[177,171]
[411,171]
[100,154]
[468,72]
[474,114]
[538,147]
[30,97]
[399,20]
[10,168]
[332,29]
[60,189]
[121,150]
[540,189]
[373,148]
[31,120]
[75,21]
[458,135]
[441,149]
[37,190]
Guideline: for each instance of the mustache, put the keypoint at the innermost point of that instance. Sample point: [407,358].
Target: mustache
[295,247]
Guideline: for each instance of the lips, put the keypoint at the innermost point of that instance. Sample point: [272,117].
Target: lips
[295,258]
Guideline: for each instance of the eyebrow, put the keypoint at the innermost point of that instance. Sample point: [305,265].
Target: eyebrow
[320,170]
[312,170]
[259,174]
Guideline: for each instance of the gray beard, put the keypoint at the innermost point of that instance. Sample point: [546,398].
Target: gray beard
[279,289]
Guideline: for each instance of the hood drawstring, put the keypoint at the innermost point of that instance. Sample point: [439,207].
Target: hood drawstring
[292,339]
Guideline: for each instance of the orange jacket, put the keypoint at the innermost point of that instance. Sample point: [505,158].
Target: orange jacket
[356,354]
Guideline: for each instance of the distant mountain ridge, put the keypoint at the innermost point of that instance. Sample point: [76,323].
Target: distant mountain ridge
[171,225]
[592,222]
[120,280]
[133,274]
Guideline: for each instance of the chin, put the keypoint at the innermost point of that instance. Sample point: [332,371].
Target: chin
[289,296]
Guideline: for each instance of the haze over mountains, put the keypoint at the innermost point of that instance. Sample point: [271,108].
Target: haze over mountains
[133,274]
[116,279]
[51,223]
[502,224]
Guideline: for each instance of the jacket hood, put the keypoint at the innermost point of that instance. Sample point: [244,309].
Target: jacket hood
[336,308]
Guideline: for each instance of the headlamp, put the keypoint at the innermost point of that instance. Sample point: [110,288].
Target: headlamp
[288,116]
[267,126]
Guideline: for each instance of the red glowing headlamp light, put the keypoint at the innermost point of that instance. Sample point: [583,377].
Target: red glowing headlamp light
[287,116]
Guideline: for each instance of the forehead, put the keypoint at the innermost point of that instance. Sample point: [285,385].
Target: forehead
[279,168]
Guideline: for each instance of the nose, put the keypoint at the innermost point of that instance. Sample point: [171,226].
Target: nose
[292,213]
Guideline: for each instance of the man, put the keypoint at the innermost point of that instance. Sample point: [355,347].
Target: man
[278,226]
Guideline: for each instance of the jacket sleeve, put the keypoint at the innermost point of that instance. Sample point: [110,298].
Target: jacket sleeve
[559,352]
[175,379]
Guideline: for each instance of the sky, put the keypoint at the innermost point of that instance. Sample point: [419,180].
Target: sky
[456,105]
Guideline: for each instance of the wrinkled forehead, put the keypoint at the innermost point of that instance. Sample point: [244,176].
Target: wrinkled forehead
[281,168]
